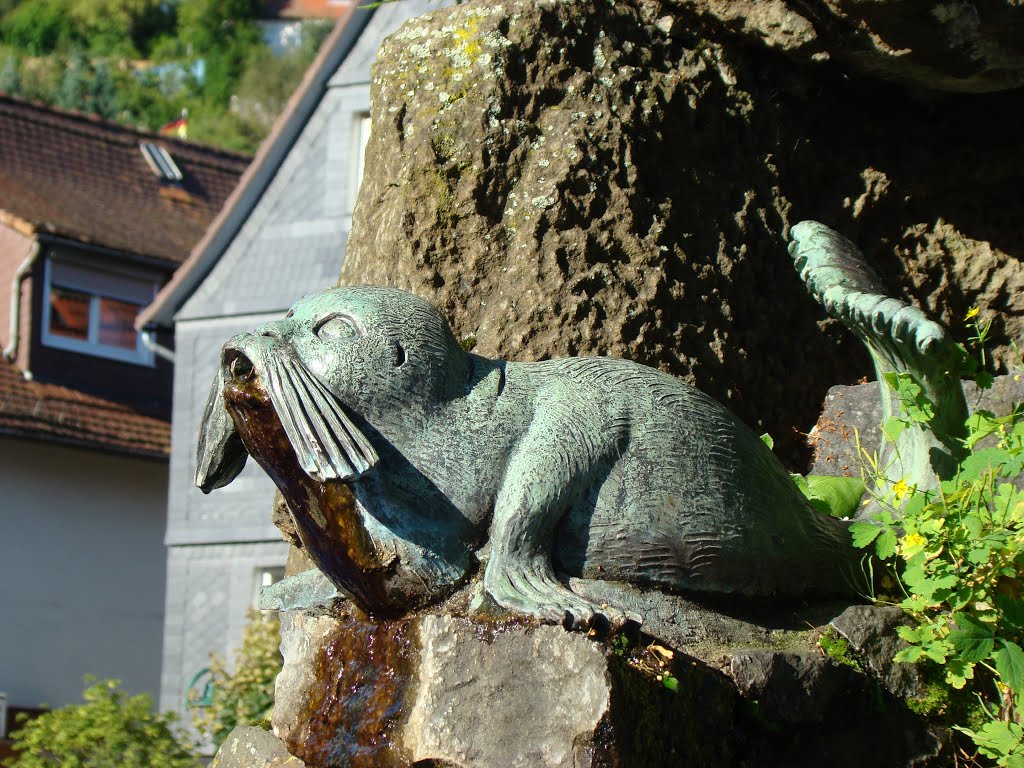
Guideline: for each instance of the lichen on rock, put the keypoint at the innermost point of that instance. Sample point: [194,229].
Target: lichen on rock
[594,177]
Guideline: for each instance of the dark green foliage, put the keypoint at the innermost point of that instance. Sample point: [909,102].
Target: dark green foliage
[38,27]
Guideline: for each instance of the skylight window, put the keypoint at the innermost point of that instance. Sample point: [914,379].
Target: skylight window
[160,162]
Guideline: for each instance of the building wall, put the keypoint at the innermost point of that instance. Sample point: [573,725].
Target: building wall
[292,244]
[209,590]
[82,569]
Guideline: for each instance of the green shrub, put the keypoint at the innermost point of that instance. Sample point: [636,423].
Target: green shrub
[245,696]
[109,729]
[959,555]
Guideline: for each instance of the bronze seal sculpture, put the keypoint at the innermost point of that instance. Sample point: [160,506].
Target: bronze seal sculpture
[405,461]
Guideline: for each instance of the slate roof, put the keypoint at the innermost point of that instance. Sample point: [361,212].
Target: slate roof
[51,412]
[79,177]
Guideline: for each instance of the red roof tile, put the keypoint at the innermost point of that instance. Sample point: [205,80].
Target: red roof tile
[86,179]
[306,9]
[52,412]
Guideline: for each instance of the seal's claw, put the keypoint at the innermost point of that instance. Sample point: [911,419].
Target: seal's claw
[539,594]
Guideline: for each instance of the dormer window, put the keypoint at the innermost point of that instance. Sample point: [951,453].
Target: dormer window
[92,310]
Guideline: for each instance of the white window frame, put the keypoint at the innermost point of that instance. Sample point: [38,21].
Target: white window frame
[265,576]
[361,129]
[141,355]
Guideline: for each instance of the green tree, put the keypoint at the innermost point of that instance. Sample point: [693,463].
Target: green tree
[39,27]
[222,33]
[10,75]
[109,729]
[123,28]
[87,88]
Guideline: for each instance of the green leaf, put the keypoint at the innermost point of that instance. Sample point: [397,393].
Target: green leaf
[670,682]
[1010,665]
[972,640]
[864,533]
[768,440]
[910,655]
[892,428]
[885,546]
[839,496]
[997,738]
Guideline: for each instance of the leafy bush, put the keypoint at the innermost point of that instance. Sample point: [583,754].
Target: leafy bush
[109,729]
[959,555]
[245,696]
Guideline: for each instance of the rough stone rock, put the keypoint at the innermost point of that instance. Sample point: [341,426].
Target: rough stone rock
[855,412]
[250,747]
[972,47]
[790,687]
[464,687]
[871,632]
[594,177]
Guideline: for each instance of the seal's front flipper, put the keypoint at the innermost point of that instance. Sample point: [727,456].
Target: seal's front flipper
[901,340]
[544,478]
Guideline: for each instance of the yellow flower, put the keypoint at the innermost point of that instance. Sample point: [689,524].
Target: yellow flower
[900,490]
[972,313]
[911,544]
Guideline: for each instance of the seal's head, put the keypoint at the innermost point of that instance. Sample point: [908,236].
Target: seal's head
[306,396]
[376,352]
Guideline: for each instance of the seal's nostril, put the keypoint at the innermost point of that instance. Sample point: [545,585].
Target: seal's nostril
[270,333]
[240,366]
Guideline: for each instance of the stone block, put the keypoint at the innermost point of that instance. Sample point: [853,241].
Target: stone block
[470,690]
[251,747]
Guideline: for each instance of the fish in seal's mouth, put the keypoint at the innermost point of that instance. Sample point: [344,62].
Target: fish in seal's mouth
[326,442]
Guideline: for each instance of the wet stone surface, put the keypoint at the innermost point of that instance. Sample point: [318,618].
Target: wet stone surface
[466,688]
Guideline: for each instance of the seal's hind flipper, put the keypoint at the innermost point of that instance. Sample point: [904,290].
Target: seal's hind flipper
[901,339]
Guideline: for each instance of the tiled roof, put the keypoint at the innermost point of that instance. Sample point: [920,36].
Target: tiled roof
[48,411]
[79,177]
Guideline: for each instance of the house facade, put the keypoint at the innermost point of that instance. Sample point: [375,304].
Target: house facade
[281,235]
[94,219]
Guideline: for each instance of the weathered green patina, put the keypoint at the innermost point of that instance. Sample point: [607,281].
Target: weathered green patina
[406,461]
[901,340]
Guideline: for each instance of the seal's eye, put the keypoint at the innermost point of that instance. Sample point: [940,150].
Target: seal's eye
[337,327]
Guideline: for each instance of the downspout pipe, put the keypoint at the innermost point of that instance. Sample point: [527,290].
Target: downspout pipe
[11,351]
[158,349]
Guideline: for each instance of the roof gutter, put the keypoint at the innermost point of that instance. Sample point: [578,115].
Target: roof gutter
[258,175]
[11,351]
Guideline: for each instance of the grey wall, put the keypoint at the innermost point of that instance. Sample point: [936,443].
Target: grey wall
[82,568]
[293,243]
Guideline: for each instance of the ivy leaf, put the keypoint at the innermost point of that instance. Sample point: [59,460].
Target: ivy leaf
[958,672]
[972,640]
[981,462]
[1010,665]
[984,379]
